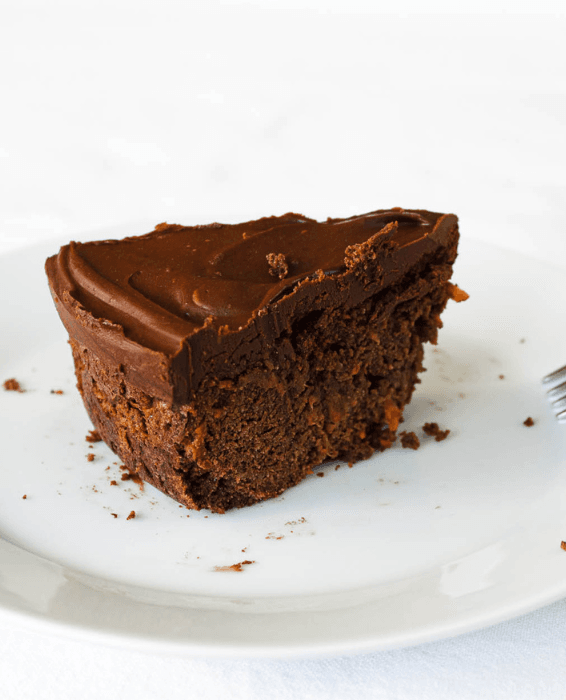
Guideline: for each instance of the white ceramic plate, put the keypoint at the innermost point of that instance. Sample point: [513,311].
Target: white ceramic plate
[405,547]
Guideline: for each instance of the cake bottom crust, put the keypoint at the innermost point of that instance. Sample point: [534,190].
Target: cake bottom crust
[337,391]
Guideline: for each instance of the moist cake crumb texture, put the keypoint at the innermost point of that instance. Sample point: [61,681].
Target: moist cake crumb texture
[223,364]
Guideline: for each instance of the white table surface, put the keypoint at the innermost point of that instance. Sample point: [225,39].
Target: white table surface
[115,112]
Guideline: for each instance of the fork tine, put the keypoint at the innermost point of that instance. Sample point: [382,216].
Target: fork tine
[559,405]
[557,392]
[555,376]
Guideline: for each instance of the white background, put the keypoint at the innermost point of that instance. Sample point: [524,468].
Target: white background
[114,112]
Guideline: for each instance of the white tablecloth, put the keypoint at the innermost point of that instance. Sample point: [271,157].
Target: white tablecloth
[114,112]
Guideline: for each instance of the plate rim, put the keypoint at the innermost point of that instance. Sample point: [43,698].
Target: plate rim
[241,649]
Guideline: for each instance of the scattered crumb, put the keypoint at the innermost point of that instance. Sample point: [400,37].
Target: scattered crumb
[234,567]
[501,376]
[93,436]
[337,467]
[456,293]
[132,515]
[113,482]
[132,476]
[350,464]
[57,391]
[114,515]
[107,468]
[563,545]
[528,422]
[320,473]
[25,496]
[410,440]
[273,536]
[244,549]
[278,266]
[90,457]
[433,430]
[13,385]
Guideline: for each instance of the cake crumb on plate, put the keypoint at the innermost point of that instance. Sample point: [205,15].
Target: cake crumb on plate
[410,440]
[93,436]
[434,430]
[234,567]
[13,385]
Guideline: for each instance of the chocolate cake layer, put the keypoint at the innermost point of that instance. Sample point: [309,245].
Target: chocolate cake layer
[224,362]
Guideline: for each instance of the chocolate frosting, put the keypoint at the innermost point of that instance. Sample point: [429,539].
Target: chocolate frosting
[164,304]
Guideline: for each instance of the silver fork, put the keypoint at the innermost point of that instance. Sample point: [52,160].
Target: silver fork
[557,394]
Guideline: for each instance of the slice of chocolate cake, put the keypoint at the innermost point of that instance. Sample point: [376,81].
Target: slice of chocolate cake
[222,363]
